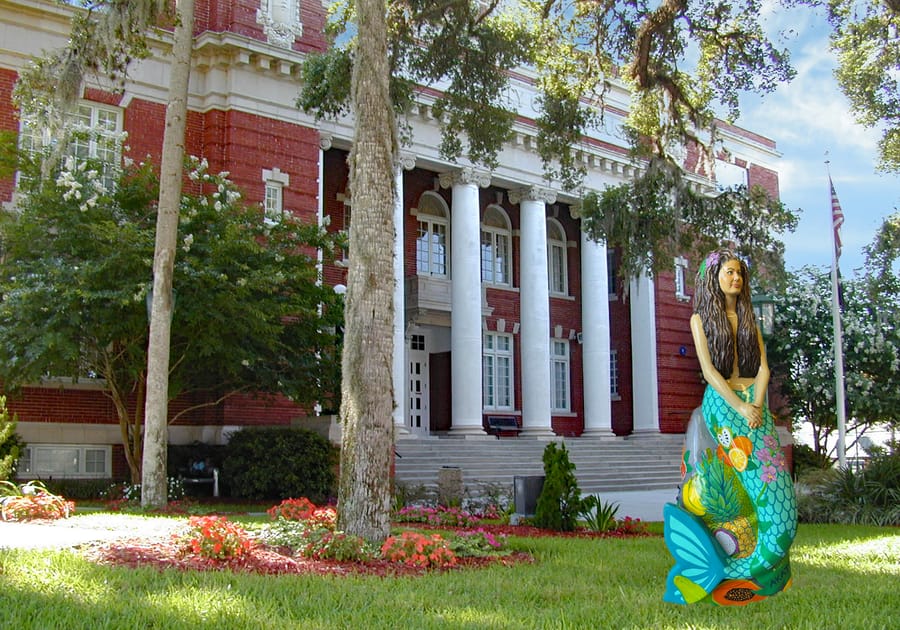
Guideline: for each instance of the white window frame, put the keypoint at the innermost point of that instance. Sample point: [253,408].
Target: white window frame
[681,265]
[557,259]
[560,375]
[493,240]
[275,181]
[30,461]
[429,261]
[614,374]
[103,142]
[498,392]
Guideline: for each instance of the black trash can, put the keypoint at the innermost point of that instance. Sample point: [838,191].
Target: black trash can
[526,490]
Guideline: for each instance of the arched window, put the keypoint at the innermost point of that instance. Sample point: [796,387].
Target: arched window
[432,246]
[496,247]
[557,258]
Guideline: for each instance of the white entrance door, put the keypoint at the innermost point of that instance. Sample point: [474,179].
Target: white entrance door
[417,385]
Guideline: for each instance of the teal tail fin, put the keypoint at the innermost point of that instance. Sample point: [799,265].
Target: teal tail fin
[699,564]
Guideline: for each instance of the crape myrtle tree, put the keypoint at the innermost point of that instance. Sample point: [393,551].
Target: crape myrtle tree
[383,52]
[802,353]
[105,38]
[249,313]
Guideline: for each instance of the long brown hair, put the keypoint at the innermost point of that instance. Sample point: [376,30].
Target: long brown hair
[709,304]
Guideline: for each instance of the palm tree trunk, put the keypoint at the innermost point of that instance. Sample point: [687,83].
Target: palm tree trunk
[367,393]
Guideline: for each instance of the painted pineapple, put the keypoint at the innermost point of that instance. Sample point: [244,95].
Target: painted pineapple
[729,512]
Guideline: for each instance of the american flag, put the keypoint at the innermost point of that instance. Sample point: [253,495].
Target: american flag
[837,220]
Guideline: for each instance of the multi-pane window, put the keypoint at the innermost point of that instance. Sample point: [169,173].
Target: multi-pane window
[614,373]
[559,374]
[275,182]
[65,460]
[497,371]
[431,236]
[556,258]
[273,200]
[496,252]
[680,273]
[94,134]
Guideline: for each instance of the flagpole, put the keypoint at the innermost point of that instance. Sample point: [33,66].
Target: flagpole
[837,218]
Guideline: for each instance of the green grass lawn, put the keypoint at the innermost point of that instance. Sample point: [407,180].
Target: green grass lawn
[844,577]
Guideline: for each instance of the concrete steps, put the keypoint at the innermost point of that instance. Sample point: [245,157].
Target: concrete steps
[601,464]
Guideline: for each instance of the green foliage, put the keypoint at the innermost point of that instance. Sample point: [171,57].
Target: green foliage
[600,516]
[559,503]
[11,444]
[801,353]
[249,313]
[278,463]
[865,40]
[79,489]
[870,496]
[660,215]
[805,458]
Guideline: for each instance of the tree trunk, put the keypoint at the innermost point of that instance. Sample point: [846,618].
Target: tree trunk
[154,487]
[367,444]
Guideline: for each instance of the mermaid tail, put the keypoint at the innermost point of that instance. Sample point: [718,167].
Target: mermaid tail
[699,561]
[736,517]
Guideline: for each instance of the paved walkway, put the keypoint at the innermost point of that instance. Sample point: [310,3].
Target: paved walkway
[646,505]
[81,529]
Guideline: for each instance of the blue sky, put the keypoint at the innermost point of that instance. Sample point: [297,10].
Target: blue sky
[809,118]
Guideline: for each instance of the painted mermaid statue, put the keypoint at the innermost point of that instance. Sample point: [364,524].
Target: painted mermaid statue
[736,516]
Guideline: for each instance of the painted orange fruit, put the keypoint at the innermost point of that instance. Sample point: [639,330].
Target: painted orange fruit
[743,442]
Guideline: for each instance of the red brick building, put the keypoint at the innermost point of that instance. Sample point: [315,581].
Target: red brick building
[504,308]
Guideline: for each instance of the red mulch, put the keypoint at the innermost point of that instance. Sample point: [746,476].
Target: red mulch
[164,554]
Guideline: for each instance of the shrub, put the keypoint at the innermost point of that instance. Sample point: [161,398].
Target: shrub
[870,496]
[600,516]
[215,538]
[79,489]
[418,550]
[559,503]
[440,516]
[325,544]
[10,443]
[478,543]
[30,501]
[279,462]
[805,458]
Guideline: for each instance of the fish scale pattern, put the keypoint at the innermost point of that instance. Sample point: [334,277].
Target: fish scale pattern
[766,480]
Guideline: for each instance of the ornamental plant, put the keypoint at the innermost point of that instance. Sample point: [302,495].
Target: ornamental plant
[215,538]
[418,550]
[478,543]
[323,544]
[440,516]
[30,501]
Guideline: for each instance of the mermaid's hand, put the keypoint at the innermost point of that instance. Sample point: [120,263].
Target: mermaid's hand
[753,414]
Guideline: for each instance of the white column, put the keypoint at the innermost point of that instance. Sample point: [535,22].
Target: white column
[535,309]
[645,389]
[465,299]
[595,338]
[398,363]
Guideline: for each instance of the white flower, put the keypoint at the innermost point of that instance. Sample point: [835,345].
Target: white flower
[187,241]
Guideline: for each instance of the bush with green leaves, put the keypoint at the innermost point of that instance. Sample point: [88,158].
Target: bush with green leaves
[279,463]
[600,516]
[559,503]
[870,496]
[10,443]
